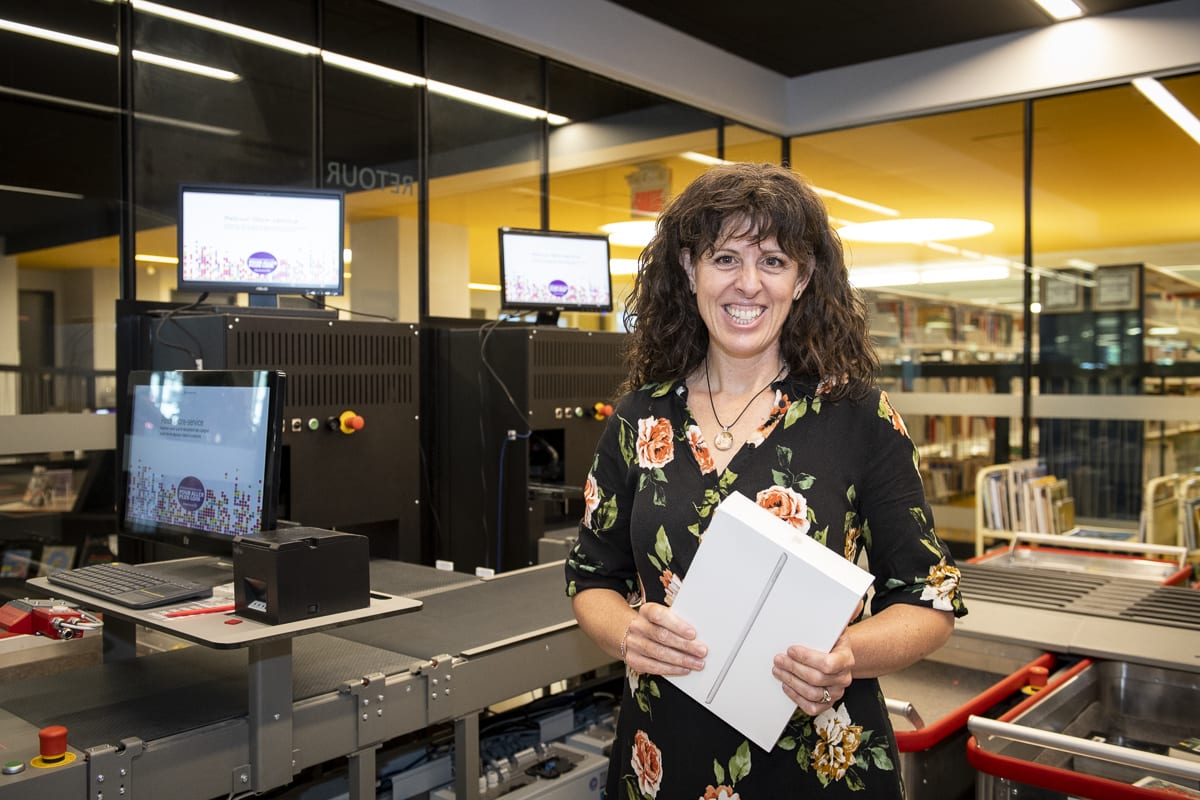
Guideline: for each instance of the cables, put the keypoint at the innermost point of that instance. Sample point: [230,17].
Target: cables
[197,356]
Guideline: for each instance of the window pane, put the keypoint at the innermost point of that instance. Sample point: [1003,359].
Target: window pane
[251,124]
[622,155]
[59,196]
[484,164]
[370,151]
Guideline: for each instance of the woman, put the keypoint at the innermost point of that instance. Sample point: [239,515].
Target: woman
[751,371]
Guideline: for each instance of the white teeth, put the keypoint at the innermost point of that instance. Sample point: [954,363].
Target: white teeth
[743,314]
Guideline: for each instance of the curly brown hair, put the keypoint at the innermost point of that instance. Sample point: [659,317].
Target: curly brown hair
[826,332]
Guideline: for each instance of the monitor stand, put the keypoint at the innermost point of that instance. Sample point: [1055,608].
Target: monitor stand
[264,301]
[549,317]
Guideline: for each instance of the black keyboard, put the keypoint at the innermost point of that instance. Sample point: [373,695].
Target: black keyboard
[128,585]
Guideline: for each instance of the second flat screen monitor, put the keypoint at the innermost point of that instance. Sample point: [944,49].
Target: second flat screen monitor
[552,271]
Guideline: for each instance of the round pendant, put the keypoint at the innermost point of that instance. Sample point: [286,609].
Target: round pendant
[723,440]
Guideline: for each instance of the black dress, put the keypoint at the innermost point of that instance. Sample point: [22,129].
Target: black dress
[845,473]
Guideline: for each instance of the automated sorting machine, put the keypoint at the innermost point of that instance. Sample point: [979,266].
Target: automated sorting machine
[208,721]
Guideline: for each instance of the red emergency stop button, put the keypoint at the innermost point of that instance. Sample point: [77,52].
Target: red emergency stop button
[52,748]
[350,422]
[602,410]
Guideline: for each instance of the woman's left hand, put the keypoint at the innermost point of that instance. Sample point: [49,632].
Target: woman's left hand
[813,680]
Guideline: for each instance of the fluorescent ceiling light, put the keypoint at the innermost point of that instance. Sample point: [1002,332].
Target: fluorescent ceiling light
[623,266]
[227,28]
[712,161]
[1164,331]
[867,277]
[1167,103]
[57,36]
[633,233]
[701,158]
[40,192]
[1079,263]
[149,259]
[1060,9]
[963,273]
[495,103]
[484,287]
[112,50]
[914,231]
[854,201]
[186,66]
[347,256]
[374,70]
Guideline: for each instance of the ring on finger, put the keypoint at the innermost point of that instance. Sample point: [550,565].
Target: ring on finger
[825,696]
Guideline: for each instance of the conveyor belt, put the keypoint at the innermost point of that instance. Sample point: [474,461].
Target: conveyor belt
[471,618]
[168,693]
[1115,598]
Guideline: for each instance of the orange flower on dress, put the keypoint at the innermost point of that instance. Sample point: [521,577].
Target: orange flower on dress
[721,792]
[886,409]
[789,506]
[700,450]
[655,447]
[671,584]
[647,764]
[591,499]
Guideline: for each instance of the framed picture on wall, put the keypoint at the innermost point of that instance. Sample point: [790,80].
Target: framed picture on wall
[1060,293]
[1118,288]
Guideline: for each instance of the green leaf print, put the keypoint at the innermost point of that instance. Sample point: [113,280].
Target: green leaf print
[662,389]
[779,478]
[821,536]
[606,514]
[718,772]
[853,782]
[866,534]
[658,566]
[783,454]
[816,405]
[629,784]
[627,442]
[851,493]
[653,689]
[786,743]
[805,481]
[739,765]
[571,589]
[660,495]
[881,759]
[727,479]
[795,411]
[662,547]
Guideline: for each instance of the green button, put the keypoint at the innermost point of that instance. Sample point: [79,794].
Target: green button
[314,424]
[13,767]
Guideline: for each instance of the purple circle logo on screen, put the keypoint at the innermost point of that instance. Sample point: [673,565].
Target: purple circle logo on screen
[190,493]
[262,262]
[558,288]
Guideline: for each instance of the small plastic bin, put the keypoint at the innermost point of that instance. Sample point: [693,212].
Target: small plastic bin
[930,702]
[1100,730]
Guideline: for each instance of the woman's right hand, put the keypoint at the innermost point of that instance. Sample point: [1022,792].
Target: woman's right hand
[658,642]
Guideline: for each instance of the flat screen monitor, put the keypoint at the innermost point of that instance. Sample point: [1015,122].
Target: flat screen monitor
[201,457]
[553,271]
[260,240]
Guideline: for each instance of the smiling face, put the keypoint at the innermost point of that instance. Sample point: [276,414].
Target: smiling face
[744,290]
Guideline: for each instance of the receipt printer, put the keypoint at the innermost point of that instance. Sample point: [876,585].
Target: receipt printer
[295,574]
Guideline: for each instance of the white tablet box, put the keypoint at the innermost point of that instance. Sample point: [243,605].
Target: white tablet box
[756,586]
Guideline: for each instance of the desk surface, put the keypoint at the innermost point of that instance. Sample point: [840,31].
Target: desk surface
[227,630]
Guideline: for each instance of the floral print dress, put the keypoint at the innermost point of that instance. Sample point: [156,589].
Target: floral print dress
[843,472]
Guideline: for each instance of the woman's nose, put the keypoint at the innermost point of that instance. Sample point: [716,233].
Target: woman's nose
[748,278]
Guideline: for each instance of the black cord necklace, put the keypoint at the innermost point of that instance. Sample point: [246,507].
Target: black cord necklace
[724,439]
